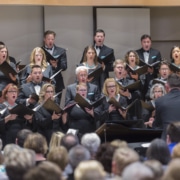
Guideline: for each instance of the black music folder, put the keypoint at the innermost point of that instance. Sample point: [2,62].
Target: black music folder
[21,110]
[46,79]
[141,70]
[51,106]
[133,86]
[159,81]
[95,73]
[147,106]
[149,65]
[49,56]
[105,59]
[174,68]
[6,69]
[82,102]
[118,106]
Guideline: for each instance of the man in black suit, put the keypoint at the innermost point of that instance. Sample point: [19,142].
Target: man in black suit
[29,92]
[149,55]
[60,58]
[167,106]
[93,93]
[103,52]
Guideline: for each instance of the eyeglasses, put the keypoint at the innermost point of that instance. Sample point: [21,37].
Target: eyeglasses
[113,86]
[83,75]
[12,91]
[82,90]
[49,91]
[157,91]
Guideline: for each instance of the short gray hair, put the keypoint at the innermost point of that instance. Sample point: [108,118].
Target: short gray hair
[81,68]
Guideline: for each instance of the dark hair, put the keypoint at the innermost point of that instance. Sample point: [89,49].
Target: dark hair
[99,31]
[175,46]
[174,80]
[173,130]
[144,36]
[105,154]
[35,66]
[22,135]
[49,32]
[158,150]
[69,141]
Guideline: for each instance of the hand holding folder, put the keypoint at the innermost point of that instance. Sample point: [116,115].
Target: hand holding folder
[133,86]
[141,70]
[83,103]
[149,65]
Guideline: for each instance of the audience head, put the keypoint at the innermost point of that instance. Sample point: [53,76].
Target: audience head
[44,171]
[69,141]
[36,142]
[81,74]
[156,168]
[36,73]
[132,57]
[78,154]
[18,162]
[89,170]
[47,91]
[158,150]
[90,54]
[92,142]
[172,170]
[110,87]
[164,70]
[146,42]
[137,171]
[99,37]
[119,68]
[104,155]
[49,38]
[157,90]
[175,53]
[122,157]
[176,151]
[59,156]
[56,139]
[10,92]
[21,136]
[81,89]
[38,57]
[119,143]
[173,81]
[173,132]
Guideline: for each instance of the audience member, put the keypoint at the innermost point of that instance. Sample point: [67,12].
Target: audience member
[21,136]
[44,171]
[122,157]
[55,140]
[37,142]
[91,141]
[89,170]
[137,171]
[158,150]
[173,135]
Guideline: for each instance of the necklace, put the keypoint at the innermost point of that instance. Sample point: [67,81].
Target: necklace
[90,66]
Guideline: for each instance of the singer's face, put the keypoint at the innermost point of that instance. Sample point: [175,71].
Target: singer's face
[82,76]
[90,55]
[146,44]
[49,40]
[99,38]
[38,57]
[3,55]
[82,91]
[49,93]
[36,75]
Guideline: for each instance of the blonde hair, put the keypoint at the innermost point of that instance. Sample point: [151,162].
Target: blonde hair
[43,91]
[55,140]
[32,58]
[119,61]
[104,90]
[88,170]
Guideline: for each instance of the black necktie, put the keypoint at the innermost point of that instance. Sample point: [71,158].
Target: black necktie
[49,49]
